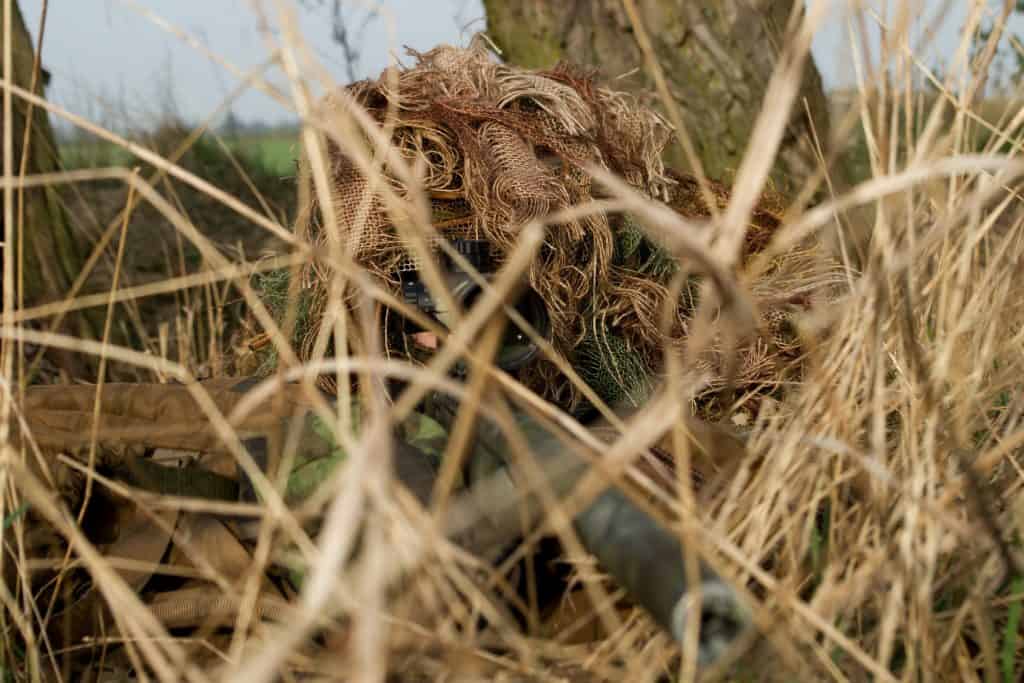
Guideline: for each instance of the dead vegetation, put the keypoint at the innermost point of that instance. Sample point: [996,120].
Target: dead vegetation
[871,516]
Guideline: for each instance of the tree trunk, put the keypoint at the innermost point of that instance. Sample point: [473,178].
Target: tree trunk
[717,56]
[52,253]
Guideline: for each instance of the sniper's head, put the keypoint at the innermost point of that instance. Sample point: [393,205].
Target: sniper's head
[495,148]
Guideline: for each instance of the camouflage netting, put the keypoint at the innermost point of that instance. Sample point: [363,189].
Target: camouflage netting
[501,146]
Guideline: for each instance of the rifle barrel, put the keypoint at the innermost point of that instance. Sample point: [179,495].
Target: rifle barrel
[644,557]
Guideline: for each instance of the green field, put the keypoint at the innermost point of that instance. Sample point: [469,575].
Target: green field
[272,153]
[276,153]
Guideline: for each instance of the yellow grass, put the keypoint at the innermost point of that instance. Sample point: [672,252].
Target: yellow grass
[873,528]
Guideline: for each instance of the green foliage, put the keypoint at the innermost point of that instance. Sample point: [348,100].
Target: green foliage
[858,157]
[272,288]
[14,515]
[1010,635]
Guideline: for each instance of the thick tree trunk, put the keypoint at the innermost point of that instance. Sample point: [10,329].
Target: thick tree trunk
[717,56]
[52,253]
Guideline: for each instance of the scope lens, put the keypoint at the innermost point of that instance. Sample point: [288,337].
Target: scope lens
[517,349]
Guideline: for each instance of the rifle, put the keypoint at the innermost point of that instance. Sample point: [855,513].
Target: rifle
[645,559]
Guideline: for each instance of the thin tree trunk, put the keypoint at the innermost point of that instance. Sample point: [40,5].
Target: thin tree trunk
[52,254]
[717,56]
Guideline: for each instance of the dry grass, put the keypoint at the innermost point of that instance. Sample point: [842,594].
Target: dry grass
[874,524]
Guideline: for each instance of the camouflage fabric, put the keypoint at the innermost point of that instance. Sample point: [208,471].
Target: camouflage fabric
[425,436]
[136,418]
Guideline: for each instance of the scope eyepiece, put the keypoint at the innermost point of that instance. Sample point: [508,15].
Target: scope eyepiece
[517,348]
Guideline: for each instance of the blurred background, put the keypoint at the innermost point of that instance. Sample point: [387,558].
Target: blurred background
[122,64]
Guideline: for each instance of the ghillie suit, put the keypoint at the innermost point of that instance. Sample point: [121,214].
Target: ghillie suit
[500,146]
[496,147]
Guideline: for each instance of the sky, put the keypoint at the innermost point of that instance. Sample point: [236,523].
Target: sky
[112,61]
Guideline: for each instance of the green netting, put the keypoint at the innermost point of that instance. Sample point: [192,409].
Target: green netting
[637,252]
[272,288]
[617,373]
[627,239]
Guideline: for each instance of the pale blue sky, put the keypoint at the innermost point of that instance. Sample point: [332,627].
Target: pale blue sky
[111,63]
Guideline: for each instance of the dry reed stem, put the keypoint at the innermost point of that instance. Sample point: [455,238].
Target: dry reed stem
[926,335]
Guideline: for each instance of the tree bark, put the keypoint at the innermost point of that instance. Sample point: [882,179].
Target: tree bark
[717,56]
[52,254]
